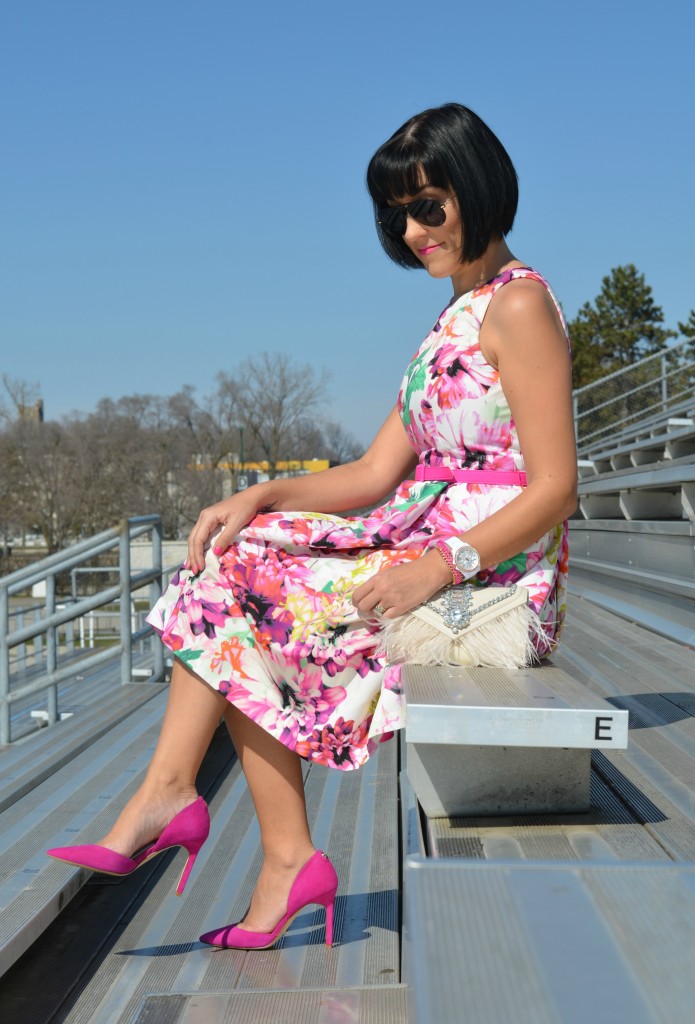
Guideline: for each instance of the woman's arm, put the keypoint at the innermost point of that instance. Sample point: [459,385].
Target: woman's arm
[387,462]
[523,337]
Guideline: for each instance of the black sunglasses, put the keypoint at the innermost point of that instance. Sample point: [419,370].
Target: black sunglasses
[393,219]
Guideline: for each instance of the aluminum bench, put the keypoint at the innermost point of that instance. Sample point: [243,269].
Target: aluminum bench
[676,440]
[493,741]
[663,491]
[638,430]
[642,798]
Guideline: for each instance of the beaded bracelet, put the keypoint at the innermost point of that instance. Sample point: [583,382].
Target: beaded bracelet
[456,575]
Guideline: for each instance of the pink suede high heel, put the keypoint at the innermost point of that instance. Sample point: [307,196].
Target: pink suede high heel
[316,882]
[189,828]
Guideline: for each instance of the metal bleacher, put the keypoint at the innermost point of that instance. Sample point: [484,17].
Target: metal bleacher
[473,918]
[673,440]
[565,917]
[122,943]
[633,542]
[121,951]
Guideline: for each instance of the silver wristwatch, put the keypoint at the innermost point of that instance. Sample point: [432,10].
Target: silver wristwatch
[465,557]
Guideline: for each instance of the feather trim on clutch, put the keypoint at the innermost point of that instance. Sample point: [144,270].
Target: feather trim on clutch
[465,625]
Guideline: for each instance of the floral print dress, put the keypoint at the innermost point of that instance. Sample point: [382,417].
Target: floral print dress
[270,623]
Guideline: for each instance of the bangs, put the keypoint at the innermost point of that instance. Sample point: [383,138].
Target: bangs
[401,167]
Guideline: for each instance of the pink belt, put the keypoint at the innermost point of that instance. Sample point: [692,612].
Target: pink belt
[497,477]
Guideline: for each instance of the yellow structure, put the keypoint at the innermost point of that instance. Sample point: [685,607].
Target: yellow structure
[282,466]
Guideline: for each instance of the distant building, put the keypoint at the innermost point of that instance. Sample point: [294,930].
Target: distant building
[31,413]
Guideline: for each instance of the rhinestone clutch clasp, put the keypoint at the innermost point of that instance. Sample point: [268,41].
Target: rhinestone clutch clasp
[455,605]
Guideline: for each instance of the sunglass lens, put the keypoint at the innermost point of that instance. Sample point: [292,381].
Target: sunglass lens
[428,212]
[392,220]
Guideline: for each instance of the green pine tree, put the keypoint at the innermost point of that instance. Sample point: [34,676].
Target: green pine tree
[688,330]
[621,327]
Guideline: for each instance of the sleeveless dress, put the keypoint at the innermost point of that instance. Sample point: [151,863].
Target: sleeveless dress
[270,623]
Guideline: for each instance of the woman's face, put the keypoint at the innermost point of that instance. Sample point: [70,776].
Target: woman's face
[438,249]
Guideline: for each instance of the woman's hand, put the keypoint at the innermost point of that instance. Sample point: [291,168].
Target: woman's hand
[400,588]
[233,514]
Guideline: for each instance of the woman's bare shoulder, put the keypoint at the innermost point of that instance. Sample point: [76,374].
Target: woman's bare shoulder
[522,317]
[523,297]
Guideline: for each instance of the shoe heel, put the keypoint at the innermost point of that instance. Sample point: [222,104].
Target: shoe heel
[186,873]
[329,922]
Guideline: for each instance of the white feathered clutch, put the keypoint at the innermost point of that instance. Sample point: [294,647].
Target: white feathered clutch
[465,625]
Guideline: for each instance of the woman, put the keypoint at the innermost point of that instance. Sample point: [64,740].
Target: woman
[276,615]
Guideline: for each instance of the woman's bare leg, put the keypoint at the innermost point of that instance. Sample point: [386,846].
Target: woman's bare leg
[193,712]
[273,773]
[274,777]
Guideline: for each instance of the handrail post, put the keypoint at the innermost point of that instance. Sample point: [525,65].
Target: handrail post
[4,666]
[124,581]
[51,650]
[664,383]
[155,590]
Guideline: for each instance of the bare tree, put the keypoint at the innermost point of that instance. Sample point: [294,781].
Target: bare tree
[148,463]
[270,397]
[41,481]
[147,453]
[211,433]
[340,444]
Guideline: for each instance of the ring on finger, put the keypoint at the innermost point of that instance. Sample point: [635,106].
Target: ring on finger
[379,608]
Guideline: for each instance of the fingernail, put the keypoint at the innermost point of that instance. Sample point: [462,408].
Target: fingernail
[217,550]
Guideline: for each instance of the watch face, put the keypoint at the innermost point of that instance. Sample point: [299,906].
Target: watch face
[467,559]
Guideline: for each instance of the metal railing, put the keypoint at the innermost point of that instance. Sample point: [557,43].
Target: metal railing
[52,617]
[652,385]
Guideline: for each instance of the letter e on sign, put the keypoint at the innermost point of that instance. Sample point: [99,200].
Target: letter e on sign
[604,724]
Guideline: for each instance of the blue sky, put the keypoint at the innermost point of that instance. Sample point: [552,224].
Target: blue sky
[182,184]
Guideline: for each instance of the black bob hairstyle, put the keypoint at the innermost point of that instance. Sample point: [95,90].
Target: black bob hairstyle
[449,147]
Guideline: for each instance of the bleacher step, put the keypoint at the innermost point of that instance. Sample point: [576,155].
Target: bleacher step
[72,805]
[28,763]
[122,940]
[550,943]
[372,1004]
